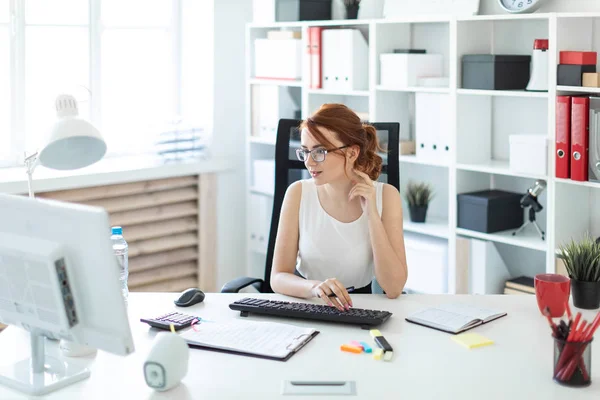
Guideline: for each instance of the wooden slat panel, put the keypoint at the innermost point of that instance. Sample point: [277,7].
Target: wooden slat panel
[144,200]
[142,263]
[207,263]
[173,242]
[166,273]
[126,189]
[154,214]
[160,229]
[176,285]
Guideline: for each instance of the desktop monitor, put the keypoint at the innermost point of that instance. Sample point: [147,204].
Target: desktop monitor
[58,278]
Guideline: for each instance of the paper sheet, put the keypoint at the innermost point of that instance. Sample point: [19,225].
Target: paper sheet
[254,337]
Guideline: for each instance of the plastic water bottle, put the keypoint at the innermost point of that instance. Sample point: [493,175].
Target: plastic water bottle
[121,248]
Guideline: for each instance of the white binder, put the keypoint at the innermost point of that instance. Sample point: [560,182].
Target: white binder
[270,103]
[432,125]
[345,60]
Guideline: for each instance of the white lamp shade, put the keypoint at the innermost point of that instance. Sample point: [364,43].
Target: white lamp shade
[73,142]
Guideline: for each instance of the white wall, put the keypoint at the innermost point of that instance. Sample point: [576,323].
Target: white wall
[231,17]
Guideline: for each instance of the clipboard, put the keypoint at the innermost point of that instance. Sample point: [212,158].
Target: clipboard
[259,339]
[241,353]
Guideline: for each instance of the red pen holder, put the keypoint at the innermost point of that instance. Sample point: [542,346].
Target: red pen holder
[572,363]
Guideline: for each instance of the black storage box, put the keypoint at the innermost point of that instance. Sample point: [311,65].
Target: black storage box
[495,72]
[303,10]
[572,74]
[490,211]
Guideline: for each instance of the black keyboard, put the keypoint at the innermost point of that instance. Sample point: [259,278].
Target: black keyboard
[357,316]
[179,321]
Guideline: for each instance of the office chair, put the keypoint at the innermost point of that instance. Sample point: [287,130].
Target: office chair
[288,169]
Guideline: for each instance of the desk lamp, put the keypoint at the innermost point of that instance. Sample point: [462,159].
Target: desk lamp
[72,142]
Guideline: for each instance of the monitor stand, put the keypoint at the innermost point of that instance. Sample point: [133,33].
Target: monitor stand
[41,374]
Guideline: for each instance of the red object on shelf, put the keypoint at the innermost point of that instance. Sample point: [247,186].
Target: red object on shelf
[540,44]
[563,137]
[580,108]
[578,57]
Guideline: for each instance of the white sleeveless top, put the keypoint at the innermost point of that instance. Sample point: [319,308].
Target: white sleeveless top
[329,248]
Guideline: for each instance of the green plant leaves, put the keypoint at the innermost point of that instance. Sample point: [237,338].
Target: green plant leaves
[582,259]
[418,194]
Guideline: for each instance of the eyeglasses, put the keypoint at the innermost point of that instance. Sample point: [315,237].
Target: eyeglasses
[317,154]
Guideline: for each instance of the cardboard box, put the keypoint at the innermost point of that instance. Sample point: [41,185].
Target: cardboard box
[577,57]
[404,70]
[591,79]
[407,147]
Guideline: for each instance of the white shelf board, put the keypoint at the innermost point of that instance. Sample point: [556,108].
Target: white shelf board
[528,238]
[413,159]
[277,82]
[437,227]
[578,89]
[261,192]
[578,15]
[500,17]
[506,93]
[282,24]
[415,18]
[497,167]
[339,93]
[261,140]
[594,185]
[414,89]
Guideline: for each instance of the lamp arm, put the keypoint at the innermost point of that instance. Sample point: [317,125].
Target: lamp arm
[31,162]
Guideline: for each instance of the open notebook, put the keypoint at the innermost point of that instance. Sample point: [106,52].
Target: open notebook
[454,318]
[269,340]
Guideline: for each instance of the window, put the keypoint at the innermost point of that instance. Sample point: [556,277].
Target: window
[137,72]
[5,96]
[126,68]
[56,61]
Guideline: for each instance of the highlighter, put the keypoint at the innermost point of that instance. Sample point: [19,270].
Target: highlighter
[388,352]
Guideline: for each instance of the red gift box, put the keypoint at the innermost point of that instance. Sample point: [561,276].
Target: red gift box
[578,57]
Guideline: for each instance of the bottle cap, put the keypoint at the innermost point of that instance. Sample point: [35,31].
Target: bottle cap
[117,230]
[540,44]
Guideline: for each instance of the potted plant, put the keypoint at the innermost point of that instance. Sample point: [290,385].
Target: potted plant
[418,196]
[582,262]
[351,8]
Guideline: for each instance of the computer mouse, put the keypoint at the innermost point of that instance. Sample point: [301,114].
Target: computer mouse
[189,297]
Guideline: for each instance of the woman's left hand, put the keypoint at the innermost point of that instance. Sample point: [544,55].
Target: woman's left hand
[364,189]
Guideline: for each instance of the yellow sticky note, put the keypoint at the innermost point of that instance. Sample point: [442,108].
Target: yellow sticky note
[472,340]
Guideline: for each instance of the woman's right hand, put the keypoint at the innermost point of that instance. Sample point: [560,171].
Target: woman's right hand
[340,297]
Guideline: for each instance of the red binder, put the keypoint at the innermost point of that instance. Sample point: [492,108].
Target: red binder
[314,42]
[563,136]
[580,107]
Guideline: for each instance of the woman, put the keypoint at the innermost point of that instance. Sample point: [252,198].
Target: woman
[342,227]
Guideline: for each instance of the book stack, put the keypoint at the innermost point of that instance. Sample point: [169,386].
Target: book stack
[182,143]
[520,285]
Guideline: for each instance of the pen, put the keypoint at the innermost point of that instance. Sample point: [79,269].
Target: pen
[350,289]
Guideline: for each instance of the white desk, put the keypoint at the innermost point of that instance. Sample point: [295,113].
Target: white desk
[427,364]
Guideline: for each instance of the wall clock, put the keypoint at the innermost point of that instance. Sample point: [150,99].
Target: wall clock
[520,6]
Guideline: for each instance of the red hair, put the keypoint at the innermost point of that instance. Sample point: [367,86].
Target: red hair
[350,130]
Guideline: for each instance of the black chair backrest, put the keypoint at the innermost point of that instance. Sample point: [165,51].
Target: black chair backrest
[289,169]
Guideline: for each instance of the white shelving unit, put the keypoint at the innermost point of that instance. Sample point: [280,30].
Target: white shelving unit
[480,120]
